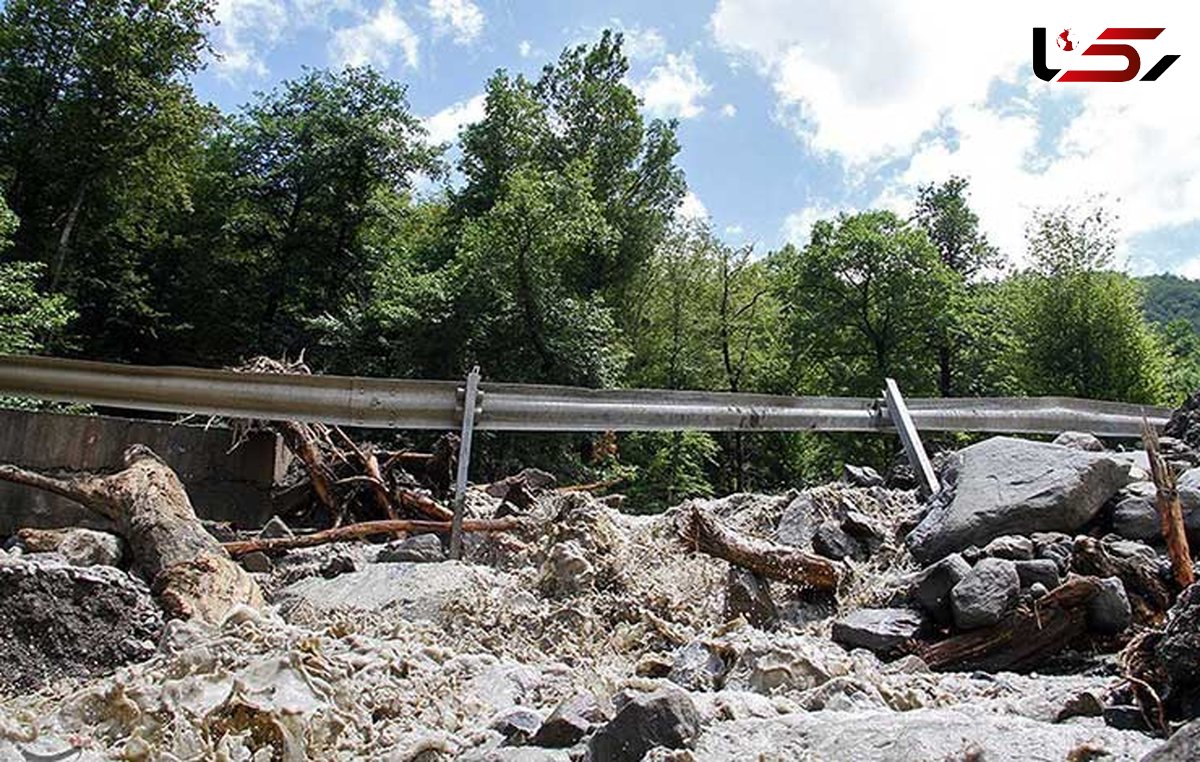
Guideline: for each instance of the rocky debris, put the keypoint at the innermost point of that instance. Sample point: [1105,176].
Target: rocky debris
[932,585]
[58,620]
[1135,516]
[831,541]
[518,725]
[1005,486]
[1183,746]
[1177,650]
[1038,571]
[570,722]
[257,562]
[1078,440]
[275,528]
[420,548]
[796,525]
[861,476]
[1109,612]
[664,718]
[567,570]
[530,478]
[881,631]
[1011,547]
[338,564]
[697,667]
[88,547]
[1053,546]
[985,593]
[222,531]
[749,595]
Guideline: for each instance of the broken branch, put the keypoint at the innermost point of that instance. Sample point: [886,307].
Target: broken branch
[366,529]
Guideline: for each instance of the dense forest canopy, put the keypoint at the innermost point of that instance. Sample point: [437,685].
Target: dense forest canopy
[142,225]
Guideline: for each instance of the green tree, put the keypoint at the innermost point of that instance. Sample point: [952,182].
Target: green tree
[1182,345]
[27,317]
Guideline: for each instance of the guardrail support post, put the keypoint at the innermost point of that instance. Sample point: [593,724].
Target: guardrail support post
[917,458]
[470,393]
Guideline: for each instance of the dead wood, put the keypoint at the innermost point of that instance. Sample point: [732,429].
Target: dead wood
[701,531]
[366,529]
[41,540]
[1148,594]
[593,487]
[189,572]
[1025,637]
[1170,512]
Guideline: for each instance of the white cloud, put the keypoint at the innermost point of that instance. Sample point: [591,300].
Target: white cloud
[244,27]
[691,208]
[729,111]
[797,226]
[945,87]
[525,48]
[462,18]
[444,126]
[674,88]
[735,230]
[376,40]
[643,43]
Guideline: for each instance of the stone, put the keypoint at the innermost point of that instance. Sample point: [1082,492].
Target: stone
[1178,650]
[223,531]
[59,620]
[87,547]
[567,570]
[1013,547]
[748,595]
[570,721]
[1136,517]
[1125,717]
[861,527]
[831,541]
[1038,571]
[696,667]
[1109,613]
[1037,591]
[1183,746]
[664,718]
[257,562]
[881,631]
[338,564]
[1006,486]
[932,585]
[418,548]
[982,597]
[518,724]
[861,476]
[275,529]
[796,523]
[1078,440]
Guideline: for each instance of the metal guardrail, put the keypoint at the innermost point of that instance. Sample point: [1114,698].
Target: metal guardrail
[389,403]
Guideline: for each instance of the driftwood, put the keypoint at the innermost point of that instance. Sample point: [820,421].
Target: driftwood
[1025,637]
[1148,594]
[703,532]
[1170,512]
[364,529]
[189,572]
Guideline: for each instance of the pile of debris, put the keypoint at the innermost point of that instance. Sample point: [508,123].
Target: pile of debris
[846,621]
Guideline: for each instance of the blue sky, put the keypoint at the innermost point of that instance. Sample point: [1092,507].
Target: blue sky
[793,111]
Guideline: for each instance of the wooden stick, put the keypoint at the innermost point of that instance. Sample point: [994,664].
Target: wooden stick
[366,529]
[1170,512]
[703,532]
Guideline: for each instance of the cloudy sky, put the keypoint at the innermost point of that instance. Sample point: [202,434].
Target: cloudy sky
[791,111]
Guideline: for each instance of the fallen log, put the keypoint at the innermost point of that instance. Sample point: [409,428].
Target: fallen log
[703,532]
[365,529]
[1025,637]
[188,571]
[1170,512]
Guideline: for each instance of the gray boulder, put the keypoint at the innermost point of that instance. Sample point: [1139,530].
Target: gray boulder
[275,529]
[1135,517]
[257,562]
[1005,486]
[665,718]
[796,523]
[932,585]
[696,667]
[87,547]
[748,595]
[518,724]
[1038,571]
[1109,613]
[982,597]
[882,631]
[831,541]
[418,548]
[861,476]
[1183,746]
[570,721]
[1013,547]
[1078,440]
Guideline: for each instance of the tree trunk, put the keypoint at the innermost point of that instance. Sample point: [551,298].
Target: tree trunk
[188,571]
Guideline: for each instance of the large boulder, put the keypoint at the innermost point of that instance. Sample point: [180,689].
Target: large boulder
[982,597]
[59,620]
[1005,486]
[749,595]
[665,718]
[882,631]
[932,585]
[1184,746]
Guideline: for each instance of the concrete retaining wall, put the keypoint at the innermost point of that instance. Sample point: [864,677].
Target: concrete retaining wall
[224,486]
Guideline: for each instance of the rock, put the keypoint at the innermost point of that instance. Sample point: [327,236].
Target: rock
[1109,612]
[768,664]
[830,541]
[1183,746]
[1007,486]
[882,631]
[861,476]
[982,597]
[532,478]
[932,586]
[87,547]
[418,548]
[275,529]
[1136,517]
[665,718]
[961,732]
[58,620]
[567,570]
[336,565]
[221,530]
[1178,650]
[1125,717]
[570,721]
[1039,571]
[697,667]
[861,527]
[1037,590]
[518,724]
[1078,440]
[257,562]
[748,595]
[795,524]
[1013,547]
